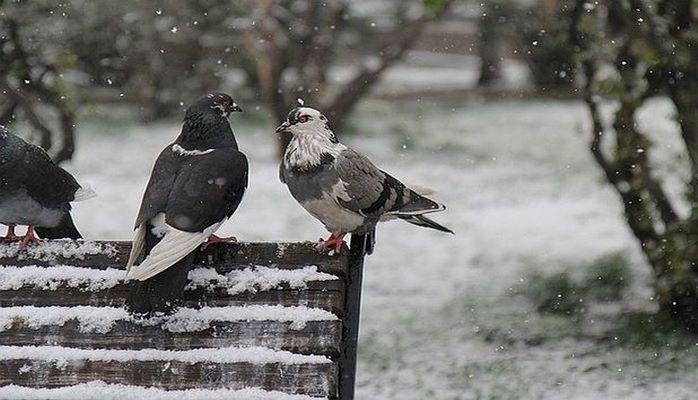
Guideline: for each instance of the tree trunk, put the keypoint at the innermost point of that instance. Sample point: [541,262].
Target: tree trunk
[667,240]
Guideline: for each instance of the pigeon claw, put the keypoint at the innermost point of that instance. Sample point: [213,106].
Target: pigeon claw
[10,236]
[28,238]
[218,239]
[333,244]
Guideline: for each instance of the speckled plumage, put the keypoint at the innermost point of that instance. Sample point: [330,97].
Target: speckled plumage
[341,187]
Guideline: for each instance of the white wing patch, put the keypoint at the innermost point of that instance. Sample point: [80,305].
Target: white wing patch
[174,246]
[339,191]
[85,192]
[136,247]
[184,152]
[160,227]
[421,190]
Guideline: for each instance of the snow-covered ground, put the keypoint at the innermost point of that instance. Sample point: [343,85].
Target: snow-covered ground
[442,315]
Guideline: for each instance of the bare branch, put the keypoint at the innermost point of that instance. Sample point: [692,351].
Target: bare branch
[397,43]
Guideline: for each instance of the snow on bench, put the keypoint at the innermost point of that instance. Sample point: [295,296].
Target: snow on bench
[259,321]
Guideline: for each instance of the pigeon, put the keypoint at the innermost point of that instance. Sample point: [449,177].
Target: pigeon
[341,187]
[197,183]
[36,192]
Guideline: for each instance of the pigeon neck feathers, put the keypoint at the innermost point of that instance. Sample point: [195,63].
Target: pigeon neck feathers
[312,149]
[206,130]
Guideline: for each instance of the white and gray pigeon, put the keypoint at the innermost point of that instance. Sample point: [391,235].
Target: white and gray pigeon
[341,187]
[196,184]
[36,192]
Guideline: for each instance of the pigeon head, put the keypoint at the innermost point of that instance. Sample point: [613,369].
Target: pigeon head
[206,123]
[306,121]
[217,103]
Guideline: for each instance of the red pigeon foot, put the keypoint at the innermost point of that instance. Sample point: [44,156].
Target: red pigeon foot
[333,243]
[28,238]
[218,239]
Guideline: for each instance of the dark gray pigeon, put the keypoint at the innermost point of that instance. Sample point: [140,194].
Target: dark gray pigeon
[36,192]
[341,187]
[195,186]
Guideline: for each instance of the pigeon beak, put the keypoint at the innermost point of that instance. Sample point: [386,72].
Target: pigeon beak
[235,107]
[283,127]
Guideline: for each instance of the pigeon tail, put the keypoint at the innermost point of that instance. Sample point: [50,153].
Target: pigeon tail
[85,192]
[421,190]
[419,205]
[163,292]
[421,220]
[64,230]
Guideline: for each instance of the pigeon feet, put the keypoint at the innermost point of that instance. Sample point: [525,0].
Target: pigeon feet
[28,238]
[333,244]
[10,236]
[218,239]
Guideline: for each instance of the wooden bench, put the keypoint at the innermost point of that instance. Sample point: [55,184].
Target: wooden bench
[273,320]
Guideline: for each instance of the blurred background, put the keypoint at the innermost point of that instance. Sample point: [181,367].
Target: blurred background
[562,135]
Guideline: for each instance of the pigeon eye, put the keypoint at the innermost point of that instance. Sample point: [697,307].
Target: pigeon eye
[303,118]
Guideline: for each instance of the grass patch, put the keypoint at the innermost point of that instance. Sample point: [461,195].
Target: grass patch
[605,279]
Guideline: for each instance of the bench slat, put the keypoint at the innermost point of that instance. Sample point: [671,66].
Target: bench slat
[327,295]
[225,257]
[316,338]
[308,379]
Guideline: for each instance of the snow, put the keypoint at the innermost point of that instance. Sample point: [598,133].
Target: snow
[439,318]
[90,319]
[252,279]
[188,319]
[103,319]
[97,390]
[50,251]
[253,355]
[51,278]
[256,278]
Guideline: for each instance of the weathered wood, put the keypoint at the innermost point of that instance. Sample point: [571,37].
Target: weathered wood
[327,295]
[352,309]
[317,337]
[341,297]
[309,379]
[225,257]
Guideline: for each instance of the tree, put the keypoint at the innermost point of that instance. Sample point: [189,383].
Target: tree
[294,43]
[31,82]
[651,49]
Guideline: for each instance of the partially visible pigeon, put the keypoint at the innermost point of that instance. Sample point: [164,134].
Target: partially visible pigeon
[36,192]
[195,186]
[341,187]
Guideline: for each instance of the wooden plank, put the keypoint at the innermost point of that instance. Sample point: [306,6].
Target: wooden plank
[225,257]
[316,338]
[327,295]
[308,379]
[352,309]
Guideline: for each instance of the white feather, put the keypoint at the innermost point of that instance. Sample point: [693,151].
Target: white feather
[136,247]
[421,190]
[160,227]
[417,212]
[85,192]
[173,247]
[184,152]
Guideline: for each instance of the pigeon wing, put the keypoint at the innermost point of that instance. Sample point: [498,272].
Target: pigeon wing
[363,183]
[207,190]
[159,186]
[204,194]
[372,192]
[46,182]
